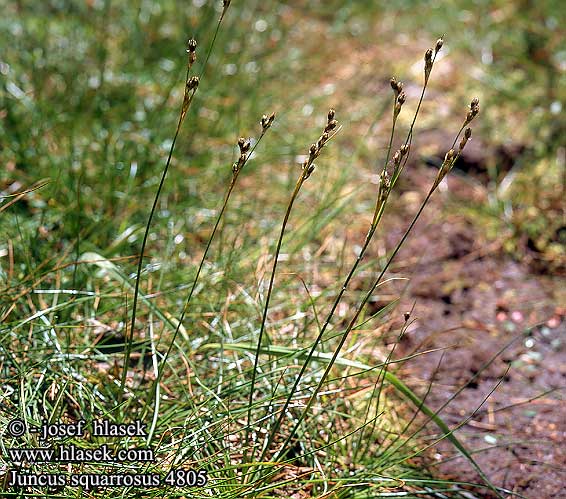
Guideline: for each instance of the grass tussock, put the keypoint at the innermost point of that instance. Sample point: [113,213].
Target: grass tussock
[258,385]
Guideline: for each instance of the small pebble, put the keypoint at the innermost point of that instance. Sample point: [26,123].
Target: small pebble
[490,439]
[553,322]
[517,316]
[501,316]
[529,343]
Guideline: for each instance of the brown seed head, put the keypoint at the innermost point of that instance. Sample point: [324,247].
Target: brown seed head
[397,86]
[384,186]
[314,149]
[309,171]
[474,110]
[449,156]
[404,149]
[407,315]
[465,138]
[428,63]
[321,141]
[393,83]
[244,145]
[193,82]
[308,168]
[191,45]
[331,126]
[397,158]
[267,121]
[439,44]
[271,119]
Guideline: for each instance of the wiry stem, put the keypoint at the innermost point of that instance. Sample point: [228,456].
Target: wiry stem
[449,161]
[191,85]
[381,200]
[346,333]
[233,181]
[307,169]
[140,262]
[268,297]
[236,169]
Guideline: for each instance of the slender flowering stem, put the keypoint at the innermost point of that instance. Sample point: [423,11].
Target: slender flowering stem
[140,261]
[447,165]
[245,154]
[191,85]
[307,169]
[381,200]
[349,328]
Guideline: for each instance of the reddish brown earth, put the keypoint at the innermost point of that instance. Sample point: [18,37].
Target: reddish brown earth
[472,301]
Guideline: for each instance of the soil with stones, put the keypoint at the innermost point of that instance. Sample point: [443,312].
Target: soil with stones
[502,334]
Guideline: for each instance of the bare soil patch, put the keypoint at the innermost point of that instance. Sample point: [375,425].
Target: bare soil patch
[472,301]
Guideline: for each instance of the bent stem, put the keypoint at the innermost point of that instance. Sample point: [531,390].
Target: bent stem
[392,449]
[377,390]
[449,434]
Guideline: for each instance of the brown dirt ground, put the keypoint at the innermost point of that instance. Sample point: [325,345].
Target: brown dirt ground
[471,301]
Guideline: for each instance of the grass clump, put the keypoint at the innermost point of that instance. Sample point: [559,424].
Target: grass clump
[223,388]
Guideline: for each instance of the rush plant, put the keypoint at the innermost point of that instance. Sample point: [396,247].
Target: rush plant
[215,375]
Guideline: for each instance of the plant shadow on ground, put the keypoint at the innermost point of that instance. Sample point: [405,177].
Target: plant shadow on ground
[89,102]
